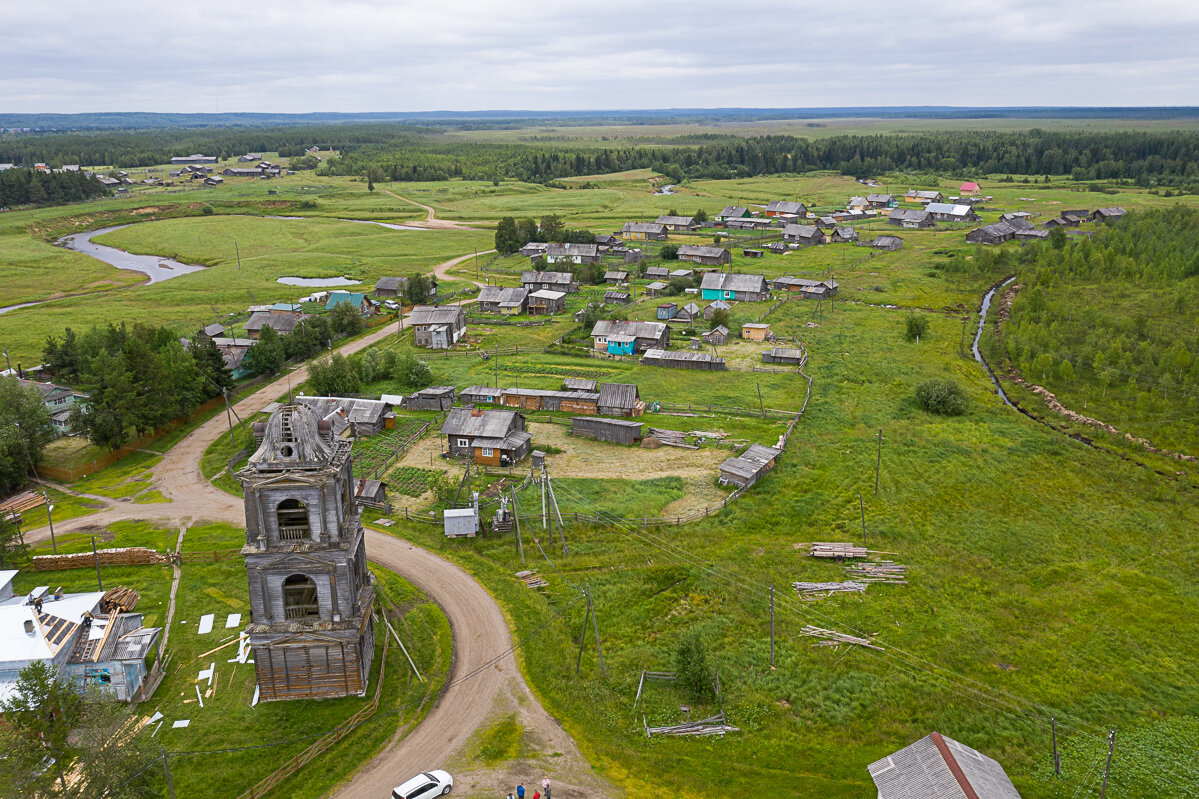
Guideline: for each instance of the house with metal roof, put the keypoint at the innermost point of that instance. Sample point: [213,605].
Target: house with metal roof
[991,234]
[617,298]
[946,212]
[550,281]
[969,187]
[437,327]
[717,335]
[615,276]
[544,302]
[705,255]
[937,767]
[657,272]
[571,253]
[621,337]
[843,235]
[881,200]
[785,208]
[643,231]
[726,286]
[678,222]
[433,398]
[804,235]
[733,212]
[911,218]
[539,399]
[89,638]
[364,304]
[858,203]
[488,437]
[809,289]
[507,300]
[676,359]
[281,323]
[923,196]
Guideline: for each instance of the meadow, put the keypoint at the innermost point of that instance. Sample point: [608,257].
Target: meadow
[229,745]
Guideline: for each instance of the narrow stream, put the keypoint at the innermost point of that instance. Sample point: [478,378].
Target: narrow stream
[155,267]
[982,320]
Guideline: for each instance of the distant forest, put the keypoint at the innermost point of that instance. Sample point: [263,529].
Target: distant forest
[411,152]
[32,187]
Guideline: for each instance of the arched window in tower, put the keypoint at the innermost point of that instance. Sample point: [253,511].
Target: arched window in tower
[299,598]
[293,520]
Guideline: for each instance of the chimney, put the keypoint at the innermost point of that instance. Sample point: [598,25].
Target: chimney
[29,626]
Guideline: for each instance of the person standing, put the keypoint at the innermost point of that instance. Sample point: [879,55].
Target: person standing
[545,786]
[520,791]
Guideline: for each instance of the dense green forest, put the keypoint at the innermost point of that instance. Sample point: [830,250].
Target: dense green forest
[137,379]
[1110,324]
[410,152]
[33,187]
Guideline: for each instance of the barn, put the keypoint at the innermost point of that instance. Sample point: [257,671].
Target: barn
[785,355]
[476,395]
[536,399]
[618,431]
[433,398]
[620,399]
[684,360]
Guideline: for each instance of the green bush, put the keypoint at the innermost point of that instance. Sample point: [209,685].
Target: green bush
[941,396]
[915,327]
[692,666]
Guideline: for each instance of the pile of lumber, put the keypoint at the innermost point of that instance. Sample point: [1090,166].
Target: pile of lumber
[713,725]
[671,438]
[716,434]
[810,591]
[120,598]
[125,556]
[834,638]
[837,550]
[531,579]
[883,571]
[18,504]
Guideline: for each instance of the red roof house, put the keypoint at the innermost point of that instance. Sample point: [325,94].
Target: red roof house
[969,186]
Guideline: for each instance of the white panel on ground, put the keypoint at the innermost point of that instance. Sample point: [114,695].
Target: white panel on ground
[254,701]
[233,620]
[181,723]
[205,624]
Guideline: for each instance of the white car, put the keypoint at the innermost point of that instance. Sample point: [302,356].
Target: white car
[425,785]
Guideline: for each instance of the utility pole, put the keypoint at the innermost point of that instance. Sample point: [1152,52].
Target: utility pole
[878,461]
[228,416]
[520,545]
[50,521]
[862,508]
[96,561]
[1057,762]
[1111,746]
[238,254]
[167,768]
[7,363]
[600,649]
[772,625]
[761,405]
[497,364]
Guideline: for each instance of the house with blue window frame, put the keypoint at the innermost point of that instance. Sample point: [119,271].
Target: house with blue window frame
[725,286]
[619,337]
[58,401]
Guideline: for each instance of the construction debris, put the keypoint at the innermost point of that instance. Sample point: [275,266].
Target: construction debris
[713,725]
[834,638]
[671,438]
[810,591]
[883,571]
[531,579]
[121,598]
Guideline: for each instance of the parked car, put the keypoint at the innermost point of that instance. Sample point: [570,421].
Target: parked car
[425,785]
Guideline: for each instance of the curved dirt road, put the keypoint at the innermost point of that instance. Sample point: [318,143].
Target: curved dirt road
[430,221]
[484,680]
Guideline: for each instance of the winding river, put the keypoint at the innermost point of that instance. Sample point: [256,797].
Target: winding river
[982,321]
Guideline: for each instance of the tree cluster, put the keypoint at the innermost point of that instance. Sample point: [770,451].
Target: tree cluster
[25,430]
[136,380]
[338,376]
[944,397]
[511,235]
[57,742]
[34,187]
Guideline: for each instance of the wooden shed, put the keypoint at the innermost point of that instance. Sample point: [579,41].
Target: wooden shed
[617,431]
[755,331]
[717,335]
[434,398]
[684,360]
[476,395]
[785,355]
[535,399]
[620,399]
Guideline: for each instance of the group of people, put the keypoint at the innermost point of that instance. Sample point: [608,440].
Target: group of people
[520,790]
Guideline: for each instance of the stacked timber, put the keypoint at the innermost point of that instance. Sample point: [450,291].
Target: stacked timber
[531,579]
[125,556]
[837,550]
[714,725]
[811,591]
[671,438]
[883,571]
[834,638]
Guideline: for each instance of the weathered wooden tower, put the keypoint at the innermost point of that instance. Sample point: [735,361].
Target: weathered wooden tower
[310,591]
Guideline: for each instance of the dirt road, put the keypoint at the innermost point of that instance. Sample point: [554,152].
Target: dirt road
[431,221]
[484,679]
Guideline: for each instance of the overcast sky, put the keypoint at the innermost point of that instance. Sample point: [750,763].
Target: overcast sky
[397,55]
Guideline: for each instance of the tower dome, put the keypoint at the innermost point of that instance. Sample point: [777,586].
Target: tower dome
[292,439]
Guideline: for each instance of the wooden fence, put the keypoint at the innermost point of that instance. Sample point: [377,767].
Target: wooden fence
[212,556]
[322,744]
